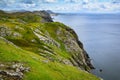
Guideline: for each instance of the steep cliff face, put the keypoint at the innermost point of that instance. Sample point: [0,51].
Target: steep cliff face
[44,41]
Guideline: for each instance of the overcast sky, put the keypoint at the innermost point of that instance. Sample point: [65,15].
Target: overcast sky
[62,5]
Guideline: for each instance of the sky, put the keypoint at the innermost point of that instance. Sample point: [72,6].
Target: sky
[62,5]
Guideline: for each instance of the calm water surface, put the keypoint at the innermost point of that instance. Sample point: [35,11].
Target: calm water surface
[100,34]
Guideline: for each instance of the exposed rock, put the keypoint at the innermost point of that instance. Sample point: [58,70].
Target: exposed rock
[2,65]
[5,31]
[45,61]
[16,34]
[79,56]
[12,71]
[45,38]
[45,16]
[33,40]
[19,28]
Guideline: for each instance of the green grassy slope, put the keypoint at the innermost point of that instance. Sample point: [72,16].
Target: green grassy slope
[40,70]
[50,49]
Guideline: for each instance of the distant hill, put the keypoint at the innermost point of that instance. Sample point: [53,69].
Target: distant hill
[51,12]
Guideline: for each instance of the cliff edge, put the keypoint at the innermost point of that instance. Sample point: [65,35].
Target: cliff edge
[33,47]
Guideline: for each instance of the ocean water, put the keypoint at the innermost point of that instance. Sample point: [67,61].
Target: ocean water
[100,34]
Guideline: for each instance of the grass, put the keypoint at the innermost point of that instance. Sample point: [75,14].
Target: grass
[30,53]
[39,69]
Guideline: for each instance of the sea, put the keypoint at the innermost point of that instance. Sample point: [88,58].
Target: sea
[100,34]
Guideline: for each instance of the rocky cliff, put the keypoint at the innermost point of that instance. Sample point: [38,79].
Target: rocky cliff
[45,50]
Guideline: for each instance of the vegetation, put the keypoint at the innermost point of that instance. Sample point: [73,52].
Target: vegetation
[41,70]
[24,38]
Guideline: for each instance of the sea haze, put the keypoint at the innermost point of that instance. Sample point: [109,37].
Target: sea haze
[100,34]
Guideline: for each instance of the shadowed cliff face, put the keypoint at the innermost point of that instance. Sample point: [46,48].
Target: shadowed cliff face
[37,33]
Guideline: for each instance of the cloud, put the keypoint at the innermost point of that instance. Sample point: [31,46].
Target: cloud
[62,5]
[50,1]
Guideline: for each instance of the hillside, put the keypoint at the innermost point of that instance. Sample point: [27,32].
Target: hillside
[33,47]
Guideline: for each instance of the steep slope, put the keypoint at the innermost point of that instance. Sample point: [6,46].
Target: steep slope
[45,49]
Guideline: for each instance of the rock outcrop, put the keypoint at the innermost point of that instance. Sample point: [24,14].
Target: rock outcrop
[79,56]
[12,71]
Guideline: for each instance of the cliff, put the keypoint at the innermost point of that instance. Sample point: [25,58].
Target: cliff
[33,47]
